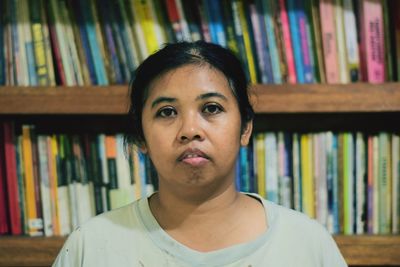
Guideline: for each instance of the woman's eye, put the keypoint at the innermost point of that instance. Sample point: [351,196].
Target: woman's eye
[212,109]
[166,112]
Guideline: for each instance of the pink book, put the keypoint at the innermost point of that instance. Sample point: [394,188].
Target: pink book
[328,31]
[287,43]
[372,41]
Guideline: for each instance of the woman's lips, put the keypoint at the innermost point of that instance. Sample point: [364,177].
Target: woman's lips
[194,157]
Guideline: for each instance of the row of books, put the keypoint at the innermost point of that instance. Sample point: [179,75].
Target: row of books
[50,184]
[348,181]
[100,42]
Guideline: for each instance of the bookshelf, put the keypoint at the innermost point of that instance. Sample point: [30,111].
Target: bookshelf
[278,104]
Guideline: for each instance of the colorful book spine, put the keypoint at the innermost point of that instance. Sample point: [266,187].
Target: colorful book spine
[12,178]
[269,8]
[295,27]
[288,45]
[260,163]
[352,51]
[35,223]
[308,184]
[372,40]
[328,31]
[341,42]
[271,167]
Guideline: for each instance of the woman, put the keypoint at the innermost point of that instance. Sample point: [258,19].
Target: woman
[191,113]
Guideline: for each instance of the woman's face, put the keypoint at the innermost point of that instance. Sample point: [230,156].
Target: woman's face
[192,129]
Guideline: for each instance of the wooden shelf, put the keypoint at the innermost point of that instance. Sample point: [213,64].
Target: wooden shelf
[306,98]
[108,100]
[357,250]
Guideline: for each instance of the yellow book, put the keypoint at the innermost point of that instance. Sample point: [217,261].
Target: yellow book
[307,175]
[53,181]
[143,16]
[260,153]
[247,42]
[34,223]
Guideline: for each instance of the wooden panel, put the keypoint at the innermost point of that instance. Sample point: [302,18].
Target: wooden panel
[64,100]
[357,250]
[319,98]
[370,250]
[26,251]
[358,97]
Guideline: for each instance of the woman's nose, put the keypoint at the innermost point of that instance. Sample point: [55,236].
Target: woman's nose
[190,128]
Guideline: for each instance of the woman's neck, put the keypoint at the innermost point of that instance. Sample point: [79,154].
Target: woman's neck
[221,220]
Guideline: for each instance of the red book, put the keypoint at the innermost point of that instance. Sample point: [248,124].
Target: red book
[12,179]
[4,227]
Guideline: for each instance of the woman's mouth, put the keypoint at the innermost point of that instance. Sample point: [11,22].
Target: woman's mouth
[194,157]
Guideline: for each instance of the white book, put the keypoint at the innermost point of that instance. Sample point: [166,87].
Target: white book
[45,186]
[341,46]
[353,60]
[395,183]
[320,178]
[285,186]
[375,212]
[184,25]
[64,208]
[361,185]
[296,173]
[329,154]
[23,26]
[62,44]
[271,167]
[71,44]
[125,187]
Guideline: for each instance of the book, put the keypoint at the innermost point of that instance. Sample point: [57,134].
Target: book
[4,214]
[260,163]
[351,32]
[341,41]
[13,194]
[307,180]
[271,167]
[329,42]
[35,223]
[372,41]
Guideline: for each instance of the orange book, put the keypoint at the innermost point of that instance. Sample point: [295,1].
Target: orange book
[35,224]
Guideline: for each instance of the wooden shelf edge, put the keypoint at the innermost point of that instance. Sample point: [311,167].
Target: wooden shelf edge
[64,100]
[326,98]
[372,250]
[299,98]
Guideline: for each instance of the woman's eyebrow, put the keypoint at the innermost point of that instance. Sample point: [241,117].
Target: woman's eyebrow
[211,94]
[161,99]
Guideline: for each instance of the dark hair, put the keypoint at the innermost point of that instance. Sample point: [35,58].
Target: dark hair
[173,56]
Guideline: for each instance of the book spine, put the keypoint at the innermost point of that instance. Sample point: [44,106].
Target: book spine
[341,42]
[292,10]
[271,167]
[308,197]
[373,40]
[269,9]
[352,51]
[328,31]
[288,46]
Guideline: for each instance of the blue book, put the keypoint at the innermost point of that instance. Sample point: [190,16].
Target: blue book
[85,42]
[303,23]
[260,41]
[292,10]
[268,11]
[216,23]
[106,15]
[335,185]
[237,174]
[244,170]
[89,24]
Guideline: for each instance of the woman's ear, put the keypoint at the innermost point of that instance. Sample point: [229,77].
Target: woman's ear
[142,148]
[246,134]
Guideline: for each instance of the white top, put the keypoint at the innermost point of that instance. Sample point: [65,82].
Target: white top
[131,236]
